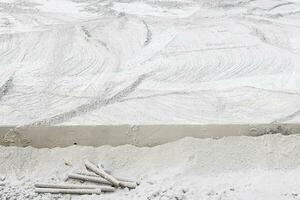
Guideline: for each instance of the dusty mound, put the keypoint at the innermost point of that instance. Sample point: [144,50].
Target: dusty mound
[228,168]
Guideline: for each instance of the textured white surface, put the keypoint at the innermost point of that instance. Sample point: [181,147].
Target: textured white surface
[149,62]
[231,168]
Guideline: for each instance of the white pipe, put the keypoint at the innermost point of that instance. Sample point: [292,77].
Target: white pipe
[123,182]
[67,191]
[74,186]
[64,186]
[85,173]
[101,173]
[89,178]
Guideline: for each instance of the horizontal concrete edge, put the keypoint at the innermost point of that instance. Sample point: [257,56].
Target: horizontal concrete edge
[139,135]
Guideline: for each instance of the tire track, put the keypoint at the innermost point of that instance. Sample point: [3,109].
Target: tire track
[6,87]
[286,118]
[82,109]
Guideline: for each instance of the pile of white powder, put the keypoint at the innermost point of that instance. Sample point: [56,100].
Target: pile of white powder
[266,167]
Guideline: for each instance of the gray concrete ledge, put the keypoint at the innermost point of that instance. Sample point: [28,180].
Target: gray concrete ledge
[139,135]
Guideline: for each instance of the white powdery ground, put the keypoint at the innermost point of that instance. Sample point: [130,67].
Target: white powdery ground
[159,62]
[231,168]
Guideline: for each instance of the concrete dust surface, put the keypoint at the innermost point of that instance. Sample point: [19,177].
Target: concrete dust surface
[240,167]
